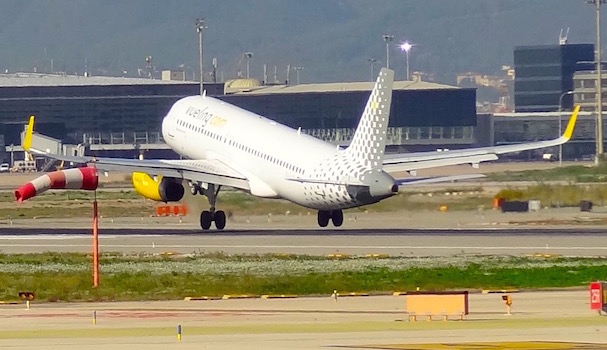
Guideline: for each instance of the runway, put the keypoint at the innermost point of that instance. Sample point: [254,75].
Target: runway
[394,242]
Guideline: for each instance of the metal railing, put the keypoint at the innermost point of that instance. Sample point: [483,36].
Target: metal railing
[402,135]
[123,138]
[341,136]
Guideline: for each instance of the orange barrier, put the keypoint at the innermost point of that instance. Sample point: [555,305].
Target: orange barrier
[431,304]
[498,202]
[174,210]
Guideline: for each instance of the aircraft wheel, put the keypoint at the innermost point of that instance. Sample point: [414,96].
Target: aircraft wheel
[220,219]
[337,216]
[205,219]
[323,218]
[194,190]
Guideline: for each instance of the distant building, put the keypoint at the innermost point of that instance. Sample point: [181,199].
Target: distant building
[110,114]
[543,73]
[175,75]
[584,82]
[479,79]
[494,93]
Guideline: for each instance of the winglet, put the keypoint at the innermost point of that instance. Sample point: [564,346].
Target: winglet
[27,142]
[571,125]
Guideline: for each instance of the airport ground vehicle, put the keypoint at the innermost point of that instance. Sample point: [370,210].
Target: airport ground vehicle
[24,166]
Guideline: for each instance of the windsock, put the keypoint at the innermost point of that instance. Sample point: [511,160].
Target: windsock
[77,178]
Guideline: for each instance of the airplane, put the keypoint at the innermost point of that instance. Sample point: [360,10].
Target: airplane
[224,145]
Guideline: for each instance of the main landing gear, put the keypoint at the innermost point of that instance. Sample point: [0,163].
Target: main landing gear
[336,216]
[209,216]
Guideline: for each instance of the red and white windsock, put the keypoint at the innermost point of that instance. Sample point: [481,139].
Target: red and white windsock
[77,178]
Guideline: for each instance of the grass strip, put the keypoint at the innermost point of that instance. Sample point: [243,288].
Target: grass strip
[574,173]
[129,204]
[69,278]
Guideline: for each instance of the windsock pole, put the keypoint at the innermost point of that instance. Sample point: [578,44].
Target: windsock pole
[95,243]
[85,178]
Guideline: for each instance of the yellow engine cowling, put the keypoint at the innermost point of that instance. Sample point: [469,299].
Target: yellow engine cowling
[165,189]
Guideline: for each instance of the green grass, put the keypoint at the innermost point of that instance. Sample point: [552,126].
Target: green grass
[143,281]
[130,204]
[125,203]
[70,195]
[575,173]
[558,195]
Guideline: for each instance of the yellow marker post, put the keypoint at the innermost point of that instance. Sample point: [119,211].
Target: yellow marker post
[178,332]
[508,300]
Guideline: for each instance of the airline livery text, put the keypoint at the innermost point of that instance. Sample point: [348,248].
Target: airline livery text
[205,117]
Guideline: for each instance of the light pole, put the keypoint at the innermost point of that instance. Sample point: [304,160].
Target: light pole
[200,26]
[387,39]
[406,47]
[297,69]
[599,85]
[372,61]
[561,122]
[248,56]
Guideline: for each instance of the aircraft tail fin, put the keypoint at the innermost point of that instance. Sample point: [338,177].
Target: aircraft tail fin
[369,142]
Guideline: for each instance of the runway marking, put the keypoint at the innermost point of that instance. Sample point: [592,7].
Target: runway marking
[484,345]
[255,246]
[297,328]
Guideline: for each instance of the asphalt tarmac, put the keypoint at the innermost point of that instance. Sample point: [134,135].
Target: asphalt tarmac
[552,231]
[423,244]
[539,320]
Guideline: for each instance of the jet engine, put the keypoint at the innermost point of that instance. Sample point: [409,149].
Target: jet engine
[165,189]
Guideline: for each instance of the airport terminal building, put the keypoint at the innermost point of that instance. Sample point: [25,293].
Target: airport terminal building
[124,114]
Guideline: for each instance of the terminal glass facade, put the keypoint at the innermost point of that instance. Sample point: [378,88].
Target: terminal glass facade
[69,112]
[65,112]
[410,108]
[544,73]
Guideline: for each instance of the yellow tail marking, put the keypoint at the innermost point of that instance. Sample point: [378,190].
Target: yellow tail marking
[27,142]
[571,125]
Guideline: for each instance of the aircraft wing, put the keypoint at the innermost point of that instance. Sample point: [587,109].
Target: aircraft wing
[202,170]
[423,160]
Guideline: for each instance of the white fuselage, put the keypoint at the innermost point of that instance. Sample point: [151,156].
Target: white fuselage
[270,155]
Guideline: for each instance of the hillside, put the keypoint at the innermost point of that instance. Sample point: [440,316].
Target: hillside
[331,39]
